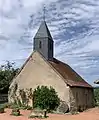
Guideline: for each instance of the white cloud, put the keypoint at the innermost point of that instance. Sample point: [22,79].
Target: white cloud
[73,24]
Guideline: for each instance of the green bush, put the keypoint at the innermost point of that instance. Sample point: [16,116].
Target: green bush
[15,112]
[7,73]
[14,106]
[45,98]
[6,105]
[2,109]
[37,113]
[21,107]
[96,96]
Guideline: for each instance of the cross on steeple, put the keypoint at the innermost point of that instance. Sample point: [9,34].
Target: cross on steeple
[44,12]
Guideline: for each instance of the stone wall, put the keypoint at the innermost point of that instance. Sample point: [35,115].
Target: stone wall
[81,98]
[37,71]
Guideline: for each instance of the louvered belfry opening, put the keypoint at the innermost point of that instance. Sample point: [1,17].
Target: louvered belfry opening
[43,42]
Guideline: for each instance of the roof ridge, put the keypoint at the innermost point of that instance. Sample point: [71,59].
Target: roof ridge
[73,78]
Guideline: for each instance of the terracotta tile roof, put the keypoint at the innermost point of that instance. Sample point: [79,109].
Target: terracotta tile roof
[69,75]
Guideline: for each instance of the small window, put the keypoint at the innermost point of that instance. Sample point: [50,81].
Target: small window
[40,45]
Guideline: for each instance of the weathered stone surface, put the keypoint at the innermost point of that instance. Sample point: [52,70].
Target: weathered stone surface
[33,74]
[37,113]
[63,107]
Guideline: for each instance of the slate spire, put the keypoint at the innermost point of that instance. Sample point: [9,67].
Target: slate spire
[43,31]
[43,41]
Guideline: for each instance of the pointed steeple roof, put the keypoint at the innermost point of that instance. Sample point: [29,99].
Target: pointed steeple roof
[43,31]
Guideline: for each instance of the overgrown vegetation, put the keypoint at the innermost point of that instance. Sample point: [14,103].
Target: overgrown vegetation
[2,107]
[96,96]
[36,113]
[15,112]
[20,107]
[15,106]
[7,72]
[42,98]
[45,98]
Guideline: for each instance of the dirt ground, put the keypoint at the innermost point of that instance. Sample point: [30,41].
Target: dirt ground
[91,114]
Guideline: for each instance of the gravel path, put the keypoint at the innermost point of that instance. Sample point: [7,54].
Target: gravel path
[92,114]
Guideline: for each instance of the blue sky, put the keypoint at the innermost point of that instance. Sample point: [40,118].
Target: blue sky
[74,25]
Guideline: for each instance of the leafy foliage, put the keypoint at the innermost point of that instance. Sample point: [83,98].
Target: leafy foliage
[96,96]
[45,98]
[17,106]
[2,107]
[15,112]
[37,113]
[7,72]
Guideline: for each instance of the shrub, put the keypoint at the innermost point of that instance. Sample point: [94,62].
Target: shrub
[14,106]
[45,98]
[37,113]
[21,107]
[15,112]
[7,72]
[96,96]
[6,105]
[2,109]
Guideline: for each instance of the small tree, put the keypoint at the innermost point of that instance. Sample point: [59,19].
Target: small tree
[96,96]
[7,72]
[46,98]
